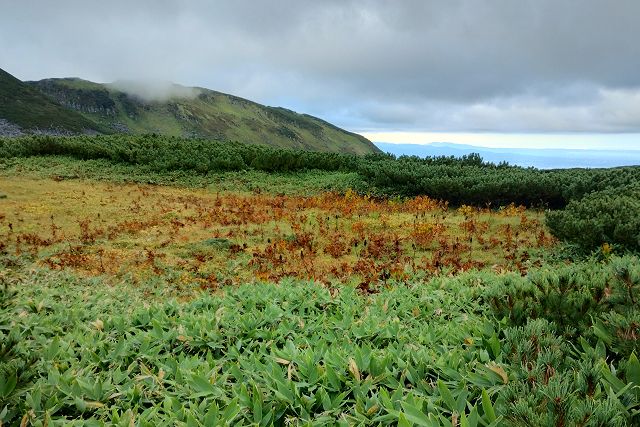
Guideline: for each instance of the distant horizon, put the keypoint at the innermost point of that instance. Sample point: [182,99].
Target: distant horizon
[542,141]
[543,158]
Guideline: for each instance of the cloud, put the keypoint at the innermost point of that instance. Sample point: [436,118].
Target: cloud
[530,65]
[611,110]
[150,90]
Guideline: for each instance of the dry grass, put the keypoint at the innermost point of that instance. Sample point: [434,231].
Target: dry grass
[209,238]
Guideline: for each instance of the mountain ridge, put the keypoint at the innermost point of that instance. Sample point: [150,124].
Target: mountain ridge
[23,107]
[179,111]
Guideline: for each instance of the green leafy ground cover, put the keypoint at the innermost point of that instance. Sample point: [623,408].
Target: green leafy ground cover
[448,351]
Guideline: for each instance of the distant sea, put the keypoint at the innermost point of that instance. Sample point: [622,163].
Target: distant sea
[539,158]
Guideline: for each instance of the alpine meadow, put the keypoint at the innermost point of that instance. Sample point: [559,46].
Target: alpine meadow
[172,255]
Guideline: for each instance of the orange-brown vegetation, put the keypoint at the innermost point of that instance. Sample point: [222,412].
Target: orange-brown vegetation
[210,238]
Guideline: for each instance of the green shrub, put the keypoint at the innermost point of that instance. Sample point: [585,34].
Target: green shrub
[611,216]
[580,300]
[551,384]
[83,350]
[465,180]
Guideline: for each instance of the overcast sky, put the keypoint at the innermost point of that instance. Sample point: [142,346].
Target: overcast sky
[423,68]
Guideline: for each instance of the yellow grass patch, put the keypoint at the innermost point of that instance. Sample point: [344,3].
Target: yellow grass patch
[209,238]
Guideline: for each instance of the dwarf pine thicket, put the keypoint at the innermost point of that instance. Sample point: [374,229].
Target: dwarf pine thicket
[262,287]
[465,180]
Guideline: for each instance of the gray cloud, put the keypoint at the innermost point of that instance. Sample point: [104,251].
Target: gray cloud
[498,65]
[152,90]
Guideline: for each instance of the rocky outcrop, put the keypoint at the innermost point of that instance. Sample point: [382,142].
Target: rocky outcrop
[9,130]
[84,100]
[120,127]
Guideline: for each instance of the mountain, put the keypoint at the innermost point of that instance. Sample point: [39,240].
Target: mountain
[22,107]
[170,109]
[540,158]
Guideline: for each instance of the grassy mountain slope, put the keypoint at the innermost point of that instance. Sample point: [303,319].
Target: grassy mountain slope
[203,113]
[29,109]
